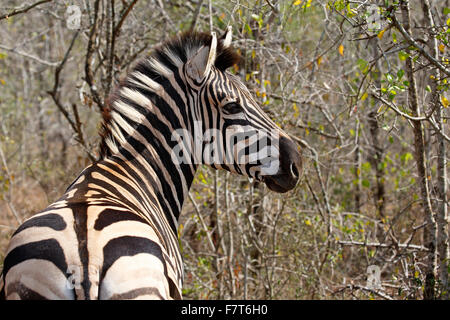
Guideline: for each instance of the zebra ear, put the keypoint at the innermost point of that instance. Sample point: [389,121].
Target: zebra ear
[226,37]
[199,66]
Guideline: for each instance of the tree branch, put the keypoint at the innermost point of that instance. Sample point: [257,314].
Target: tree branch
[414,43]
[22,10]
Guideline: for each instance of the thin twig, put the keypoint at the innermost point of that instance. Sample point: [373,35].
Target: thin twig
[29,56]
[382,245]
[414,43]
[22,10]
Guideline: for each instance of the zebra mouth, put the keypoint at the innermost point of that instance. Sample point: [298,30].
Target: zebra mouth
[279,183]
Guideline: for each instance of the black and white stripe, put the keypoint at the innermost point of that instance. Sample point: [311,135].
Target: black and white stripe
[113,234]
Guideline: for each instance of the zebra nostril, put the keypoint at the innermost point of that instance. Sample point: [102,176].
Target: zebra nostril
[294,170]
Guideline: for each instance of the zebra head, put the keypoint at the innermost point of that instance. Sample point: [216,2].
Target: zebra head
[231,131]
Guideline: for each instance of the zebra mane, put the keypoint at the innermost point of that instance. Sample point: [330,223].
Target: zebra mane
[168,56]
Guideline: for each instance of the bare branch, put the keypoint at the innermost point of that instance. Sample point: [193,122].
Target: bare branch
[29,56]
[22,10]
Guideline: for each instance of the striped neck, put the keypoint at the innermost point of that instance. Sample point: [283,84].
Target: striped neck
[145,111]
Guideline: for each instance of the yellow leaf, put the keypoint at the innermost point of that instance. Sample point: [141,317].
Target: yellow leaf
[444,101]
[441,47]
[307,222]
[296,3]
[381,33]
[2,81]
[341,50]
[319,61]
[364,96]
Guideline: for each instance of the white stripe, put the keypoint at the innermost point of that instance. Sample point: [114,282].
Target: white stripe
[128,111]
[112,145]
[150,84]
[119,122]
[174,58]
[135,96]
[159,67]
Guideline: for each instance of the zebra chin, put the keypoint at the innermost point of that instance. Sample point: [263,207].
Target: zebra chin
[280,183]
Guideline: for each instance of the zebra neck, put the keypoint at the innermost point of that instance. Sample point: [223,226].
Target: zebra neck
[146,111]
[151,165]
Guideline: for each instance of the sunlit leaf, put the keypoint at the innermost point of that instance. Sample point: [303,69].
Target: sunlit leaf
[444,101]
[319,61]
[402,55]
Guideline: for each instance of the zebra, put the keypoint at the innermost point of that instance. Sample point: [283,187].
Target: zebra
[113,233]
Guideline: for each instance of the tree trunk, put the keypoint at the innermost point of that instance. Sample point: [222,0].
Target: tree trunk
[441,207]
[419,149]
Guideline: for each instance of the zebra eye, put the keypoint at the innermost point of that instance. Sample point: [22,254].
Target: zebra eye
[232,108]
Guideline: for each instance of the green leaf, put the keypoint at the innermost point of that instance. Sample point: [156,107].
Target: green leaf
[402,55]
[366,166]
[350,12]
[248,29]
[406,157]
[339,5]
[446,10]
[389,77]
[365,183]
[362,64]
[364,96]
[400,74]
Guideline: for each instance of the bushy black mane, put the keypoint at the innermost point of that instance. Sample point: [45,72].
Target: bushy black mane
[225,57]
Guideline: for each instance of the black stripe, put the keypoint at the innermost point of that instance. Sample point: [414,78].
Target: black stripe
[79,211]
[133,294]
[50,220]
[127,246]
[48,249]
[111,216]
[24,292]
